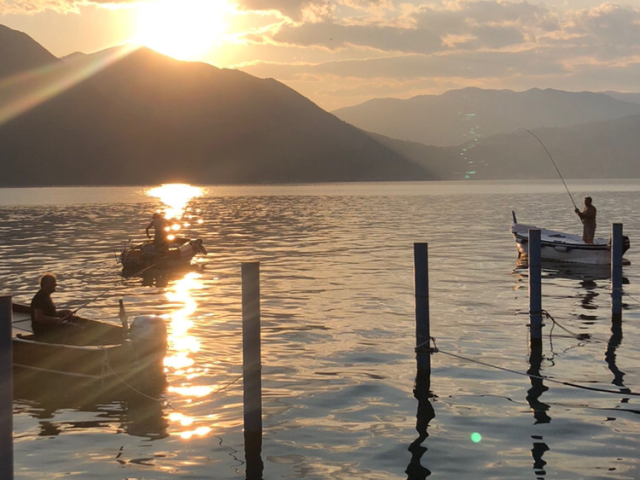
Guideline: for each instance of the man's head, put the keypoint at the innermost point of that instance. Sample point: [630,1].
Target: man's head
[48,282]
[587,201]
[156,215]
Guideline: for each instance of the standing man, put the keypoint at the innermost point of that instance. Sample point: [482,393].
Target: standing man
[588,217]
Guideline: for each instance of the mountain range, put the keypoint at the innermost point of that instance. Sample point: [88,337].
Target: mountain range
[131,117]
[459,116]
[122,117]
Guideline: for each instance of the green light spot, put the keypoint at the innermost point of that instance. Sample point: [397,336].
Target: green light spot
[476,437]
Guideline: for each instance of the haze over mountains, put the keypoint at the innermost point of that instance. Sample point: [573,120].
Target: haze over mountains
[458,116]
[130,118]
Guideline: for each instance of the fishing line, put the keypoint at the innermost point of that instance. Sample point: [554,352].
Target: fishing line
[554,164]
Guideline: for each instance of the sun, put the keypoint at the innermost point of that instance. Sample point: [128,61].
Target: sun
[183,29]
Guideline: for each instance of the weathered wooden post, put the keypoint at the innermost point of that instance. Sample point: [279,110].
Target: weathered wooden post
[535,285]
[421,280]
[616,272]
[422,387]
[252,369]
[6,389]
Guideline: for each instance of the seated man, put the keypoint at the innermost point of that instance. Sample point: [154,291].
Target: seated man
[46,321]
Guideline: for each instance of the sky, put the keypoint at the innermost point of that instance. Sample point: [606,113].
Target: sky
[341,53]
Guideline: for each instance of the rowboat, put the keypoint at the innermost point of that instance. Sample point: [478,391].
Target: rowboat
[100,351]
[178,253]
[564,247]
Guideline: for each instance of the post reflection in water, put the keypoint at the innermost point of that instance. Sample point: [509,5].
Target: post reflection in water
[426,413]
[539,408]
[610,357]
[179,362]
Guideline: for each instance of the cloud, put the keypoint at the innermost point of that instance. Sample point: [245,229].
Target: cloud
[15,7]
[470,65]
[297,10]
[608,24]
[334,36]
[423,29]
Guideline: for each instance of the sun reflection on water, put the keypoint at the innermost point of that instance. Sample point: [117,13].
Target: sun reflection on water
[176,197]
[183,345]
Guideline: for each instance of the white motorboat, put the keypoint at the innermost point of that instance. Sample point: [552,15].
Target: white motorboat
[565,247]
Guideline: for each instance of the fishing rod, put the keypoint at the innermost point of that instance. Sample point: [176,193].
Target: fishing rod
[73,312]
[554,164]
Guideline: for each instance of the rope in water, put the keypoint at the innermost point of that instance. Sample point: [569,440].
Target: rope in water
[530,375]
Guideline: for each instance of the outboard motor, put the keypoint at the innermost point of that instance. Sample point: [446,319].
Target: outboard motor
[148,333]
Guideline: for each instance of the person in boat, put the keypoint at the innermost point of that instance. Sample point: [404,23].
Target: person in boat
[160,226]
[588,217]
[47,322]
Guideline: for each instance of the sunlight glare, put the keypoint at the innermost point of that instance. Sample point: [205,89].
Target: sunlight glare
[175,196]
[182,29]
[197,391]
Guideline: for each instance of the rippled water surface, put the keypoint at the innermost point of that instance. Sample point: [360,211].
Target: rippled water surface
[338,335]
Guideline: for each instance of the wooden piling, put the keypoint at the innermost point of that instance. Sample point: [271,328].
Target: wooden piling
[535,285]
[252,369]
[6,388]
[421,281]
[616,272]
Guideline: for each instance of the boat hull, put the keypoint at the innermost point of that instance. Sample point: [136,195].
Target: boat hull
[103,353]
[564,247]
[177,254]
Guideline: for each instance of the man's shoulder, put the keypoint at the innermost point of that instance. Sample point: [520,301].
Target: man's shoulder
[40,296]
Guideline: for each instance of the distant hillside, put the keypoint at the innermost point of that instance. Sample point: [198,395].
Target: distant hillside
[19,52]
[625,97]
[459,116]
[147,118]
[593,150]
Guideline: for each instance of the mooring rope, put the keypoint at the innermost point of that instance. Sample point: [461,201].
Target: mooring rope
[577,336]
[530,375]
[621,291]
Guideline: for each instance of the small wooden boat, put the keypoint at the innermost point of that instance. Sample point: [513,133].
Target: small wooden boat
[565,247]
[100,351]
[177,253]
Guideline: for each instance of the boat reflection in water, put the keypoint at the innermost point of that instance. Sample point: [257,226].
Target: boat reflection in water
[123,410]
[569,271]
[161,277]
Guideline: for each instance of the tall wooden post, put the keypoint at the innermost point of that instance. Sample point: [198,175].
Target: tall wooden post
[423,336]
[6,388]
[535,285]
[616,272]
[252,369]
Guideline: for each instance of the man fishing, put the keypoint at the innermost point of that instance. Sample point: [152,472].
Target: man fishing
[588,217]
[47,322]
[161,226]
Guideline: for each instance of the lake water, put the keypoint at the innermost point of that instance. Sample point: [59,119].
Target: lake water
[338,335]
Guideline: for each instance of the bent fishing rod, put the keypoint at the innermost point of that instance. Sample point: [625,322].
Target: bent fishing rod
[554,164]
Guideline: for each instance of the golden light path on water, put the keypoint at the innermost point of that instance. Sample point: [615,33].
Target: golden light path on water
[182,346]
[176,197]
